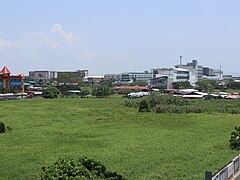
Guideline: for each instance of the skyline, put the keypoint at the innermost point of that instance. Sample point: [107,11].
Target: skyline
[113,37]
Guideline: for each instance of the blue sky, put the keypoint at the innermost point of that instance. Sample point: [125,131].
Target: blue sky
[113,36]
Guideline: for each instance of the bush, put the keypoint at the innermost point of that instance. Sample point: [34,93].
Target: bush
[143,106]
[133,103]
[178,109]
[84,92]
[51,92]
[235,139]
[82,168]
[125,91]
[156,99]
[9,128]
[162,109]
[2,127]
[102,90]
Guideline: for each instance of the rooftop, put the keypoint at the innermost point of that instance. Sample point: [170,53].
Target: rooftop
[5,70]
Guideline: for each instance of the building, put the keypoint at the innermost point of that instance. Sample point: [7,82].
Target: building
[82,73]
[46,75]
[11,83]
[181,75]
[135,76]
[218,73]
[53,74]
[170,74]
[194,69]
[227,77]
[212,74]
[159,82]
[93,79]
[200,72]
[111,77]
[78,73]
[207,71]
[39,75]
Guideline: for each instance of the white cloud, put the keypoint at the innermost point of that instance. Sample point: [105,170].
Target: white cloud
[4,43]
[69,37]
[41,38]
[55,49]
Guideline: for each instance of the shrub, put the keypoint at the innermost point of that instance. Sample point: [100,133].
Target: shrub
[9,128]
[192,109]
[84,92]
[178,109]
[133,103]
[143,106]
[102,90]
[156,99]
[235,139]
[51,92]
[2,127]
[162,109]
[125,91]
[82,168]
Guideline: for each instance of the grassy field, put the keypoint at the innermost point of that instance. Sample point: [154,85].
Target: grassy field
[136,145]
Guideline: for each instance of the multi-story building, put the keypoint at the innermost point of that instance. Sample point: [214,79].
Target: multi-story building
[78,73]
[181,75]
[212,74]
[82,73]
[93,79]
[135,76]
[218,73]
[194,69]
[207,71]
[227,77]
[53,74]
[46,75]
[111,77]
[161,81]
[200,72]
[39,75]
[172,74]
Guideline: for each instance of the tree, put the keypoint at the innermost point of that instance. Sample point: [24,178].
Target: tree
[102,90]
[235,139]
[143,106]
[206,85]
[64,88]
[84,92]
[82,168]
[139,83]
[233,85]
[69,77]
[182,85]
[2,127]
[51,92]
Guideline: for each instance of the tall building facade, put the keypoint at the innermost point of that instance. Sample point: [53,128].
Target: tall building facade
[172,74]
[135,76]
[194,69]
[46,75]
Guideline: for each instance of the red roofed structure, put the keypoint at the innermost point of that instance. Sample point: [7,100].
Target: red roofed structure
[5,70]
[6,81]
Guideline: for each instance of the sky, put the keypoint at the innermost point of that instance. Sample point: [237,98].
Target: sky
[114,36]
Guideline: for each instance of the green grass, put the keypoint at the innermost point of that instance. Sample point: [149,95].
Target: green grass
[136,145]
